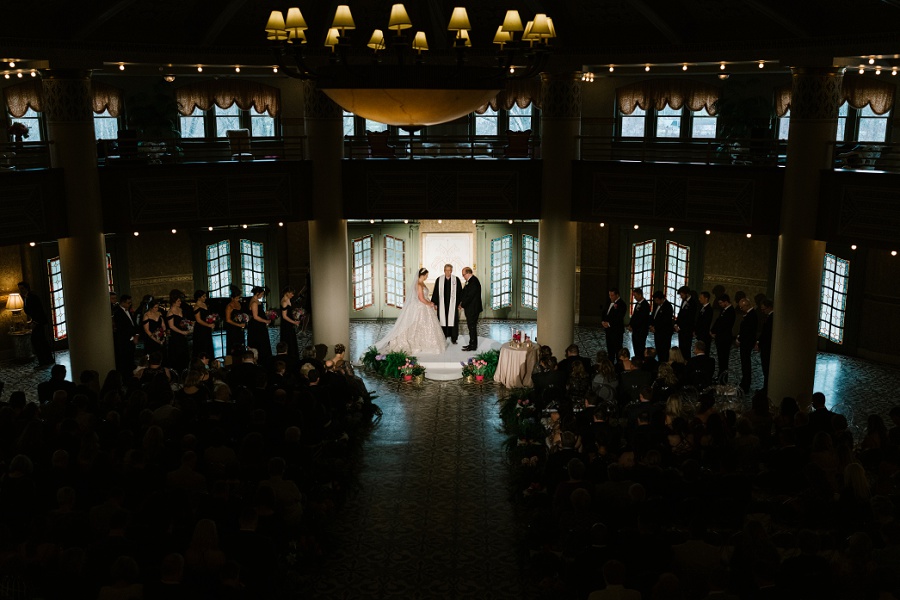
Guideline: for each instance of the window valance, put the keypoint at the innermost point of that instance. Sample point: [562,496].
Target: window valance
[225,92]
[657,93]
[22,96]
[857,90]
[518,92]
[106,97]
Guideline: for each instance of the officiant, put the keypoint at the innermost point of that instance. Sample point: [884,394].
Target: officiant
[445,297]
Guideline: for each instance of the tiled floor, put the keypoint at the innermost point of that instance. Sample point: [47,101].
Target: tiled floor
[431,518]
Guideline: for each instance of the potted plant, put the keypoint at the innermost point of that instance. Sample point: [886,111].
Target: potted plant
[18,131]
[745,111]
[407,370]
[468,371]
[480,367]
[419,373]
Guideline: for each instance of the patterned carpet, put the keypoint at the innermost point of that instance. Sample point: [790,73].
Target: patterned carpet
[431,516]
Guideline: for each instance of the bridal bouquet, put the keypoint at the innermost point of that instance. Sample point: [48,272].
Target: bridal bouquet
[212,318]
[160,335]
[297,314]
[188,326]
[271,315]
[242,318]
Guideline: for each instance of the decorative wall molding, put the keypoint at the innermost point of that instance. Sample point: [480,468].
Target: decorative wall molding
[749,281]
[148,281]
[67,96]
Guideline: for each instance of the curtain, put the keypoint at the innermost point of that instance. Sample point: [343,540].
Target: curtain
[225,92]
[22,96]
[657,93]
[857,90]
[518,92]
[106,97]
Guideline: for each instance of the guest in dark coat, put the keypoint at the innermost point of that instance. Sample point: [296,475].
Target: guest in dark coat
[34,310]
[614,323]
[723,332]
[686,320]
[747,340]
[764,343]
[125,336]
[704,320]
[662,325]
[639,326]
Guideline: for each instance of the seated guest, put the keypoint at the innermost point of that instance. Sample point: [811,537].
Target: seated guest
[605,379]
[245,373]
[573,356]
[679,363]
[551,379]
[154,367]
[666,383]
[624,362]
[578,383]
[57,381]
[700,368]
[281,353]
[543,358]
[650,362]
[614,576]
[631,382]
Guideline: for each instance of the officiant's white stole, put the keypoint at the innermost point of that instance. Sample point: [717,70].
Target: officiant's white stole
[448,319]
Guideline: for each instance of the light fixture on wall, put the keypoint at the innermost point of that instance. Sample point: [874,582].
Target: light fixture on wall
[15,304]
[393,82]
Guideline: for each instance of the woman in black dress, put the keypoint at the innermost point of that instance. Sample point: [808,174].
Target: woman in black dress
[258,328]
[234,330]
[288,327]
[203,331]
[178,337]
[151,323]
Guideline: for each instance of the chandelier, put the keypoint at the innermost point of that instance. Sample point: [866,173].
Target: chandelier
[392,80]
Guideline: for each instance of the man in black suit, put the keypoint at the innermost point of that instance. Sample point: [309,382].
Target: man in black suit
[704,320]
[614,324]
[573,355]
[56,382]
[700,367]
[662,325]
[34,309]
[125,336]
[471,304]
[446,299]
[245,373]
[764,343]
[723,332]
[685,321]
[639,326]
[746,340]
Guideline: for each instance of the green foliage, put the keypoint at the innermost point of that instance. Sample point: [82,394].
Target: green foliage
[368,359]
[491,357]
[388,365]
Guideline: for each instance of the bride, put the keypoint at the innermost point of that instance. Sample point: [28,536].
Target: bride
[417,330]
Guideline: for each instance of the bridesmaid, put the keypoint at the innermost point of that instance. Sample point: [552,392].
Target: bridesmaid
[203,331]
[258,328]
[234,331]
[151,322]
[178,339]
[288,328]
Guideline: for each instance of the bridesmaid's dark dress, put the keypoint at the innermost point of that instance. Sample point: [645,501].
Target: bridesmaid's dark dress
[289,333]
[258,335]
[203,340]
[178,344]
[234,336]
[151,344]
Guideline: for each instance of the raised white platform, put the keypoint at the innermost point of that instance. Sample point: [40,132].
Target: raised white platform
[446,367]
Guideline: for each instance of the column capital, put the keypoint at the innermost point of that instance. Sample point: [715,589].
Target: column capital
[317,105]
[67,95]
[816,92]
[561,95]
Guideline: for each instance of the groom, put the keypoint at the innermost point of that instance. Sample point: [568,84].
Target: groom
[471,305]
[445,297]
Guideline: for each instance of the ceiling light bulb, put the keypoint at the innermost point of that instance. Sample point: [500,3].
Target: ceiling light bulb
[174,231]
[33,73]
[169,78]
[372,221]
[878,70]
[647,68]
[636,226]
[872,60]
[274,69]
[894,71]
[749,235]
[406,221]
[12,64]
[281,223]
[440,221]
[893,253]
[199,69]
[512,70]
[862,69]
[244,226]
[708,232]
[210,228]
[121,67]
[510,221]
[19,75]
[473,221]
[611,68]
[853,246]
[6,76]
[136,234]
[237,69]
[684,67]
[722,66]
[762,63]
[602,224]
[671,229]
[32,244]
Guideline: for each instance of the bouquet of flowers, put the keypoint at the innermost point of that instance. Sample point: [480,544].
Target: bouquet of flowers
[467,368]
[407,368]
[297,314]
[242,318]
[187,326]
[479,366]
[18,130]
[271,315]
[160,335]
[212,318]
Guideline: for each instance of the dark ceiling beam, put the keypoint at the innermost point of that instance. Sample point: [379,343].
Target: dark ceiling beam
[778,18]
[894,3]
[656,21]
[224,18]
[102,18]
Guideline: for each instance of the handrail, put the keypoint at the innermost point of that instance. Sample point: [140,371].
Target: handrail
[867,156]
[199,150]
[436,146]
[743,151]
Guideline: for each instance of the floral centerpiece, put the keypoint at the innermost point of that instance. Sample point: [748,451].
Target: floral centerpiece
[211,318]
[18,131]
[240,317]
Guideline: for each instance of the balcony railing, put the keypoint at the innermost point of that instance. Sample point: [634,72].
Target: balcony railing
[199,150]
[444,146]
[21,156]
[751,152]
[867,156]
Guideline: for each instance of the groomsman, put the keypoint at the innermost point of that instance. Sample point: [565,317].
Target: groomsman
[125,336]
[614,323]
[764,343]
[685,321]
[662,326]
[723,332]
[746,340]
[704,320]
[640,322]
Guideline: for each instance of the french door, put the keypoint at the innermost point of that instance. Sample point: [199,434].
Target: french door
[384,260]
[509,273]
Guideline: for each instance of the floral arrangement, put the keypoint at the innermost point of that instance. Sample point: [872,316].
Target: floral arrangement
[467,369]
[160,335]
[17,129]
[389,364]
[479,366]
[297,314]
[211,318]
[271,315]
[242,318]
[407,368]
[187,326]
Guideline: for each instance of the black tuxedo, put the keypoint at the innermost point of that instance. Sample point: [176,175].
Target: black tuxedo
[700,370]
[470,300]
[124,331]
[686,321]
[663,328]
[40,342]
[703,324]
[765,348]
[640,327]
[451,331]
[723,328]
[747,338]
[615,331]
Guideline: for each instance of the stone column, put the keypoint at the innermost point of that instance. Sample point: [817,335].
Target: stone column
[815,98]
[560,126]
[328,244]
[70,125]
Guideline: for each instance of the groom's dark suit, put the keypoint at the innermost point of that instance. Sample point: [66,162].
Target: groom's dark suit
[471,305]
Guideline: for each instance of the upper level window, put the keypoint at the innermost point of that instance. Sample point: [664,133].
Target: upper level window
[192,126]
[106,126]
[488,123]
[375,126]
[842,122]
[216,121]
[784,125]
[832,308]
[57,299]
[703,126]
[633,125]
[519,118]
[261,124]
[31,120]
[498,122]
[227,118]
[872,127]
[668,123]
[349,124]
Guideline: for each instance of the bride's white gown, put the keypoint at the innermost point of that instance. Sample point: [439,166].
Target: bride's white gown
[417,330]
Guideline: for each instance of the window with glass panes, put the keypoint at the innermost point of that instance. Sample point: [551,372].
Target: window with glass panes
[872,127]
[106,127]
[784,125]
[261,124]
[394,270]
[519,118]
[253,273]
[218,269]
[530,252]
[227,118]
[703,126]
[832,309]
[677,261]
[31,120]
[643,257]
[842,122]
[668,123]
[363,290]
[501,272]
[488,123]
[109,273]
[349,124]
[192,126]
[57,299]
[633,125]
[375,126]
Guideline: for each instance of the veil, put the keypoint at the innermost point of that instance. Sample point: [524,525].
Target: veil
[405,320]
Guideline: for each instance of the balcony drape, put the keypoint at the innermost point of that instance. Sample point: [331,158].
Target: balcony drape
[22,96]
[657,93]
[518,92]
[858,90]
[226,92]
[106,97]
